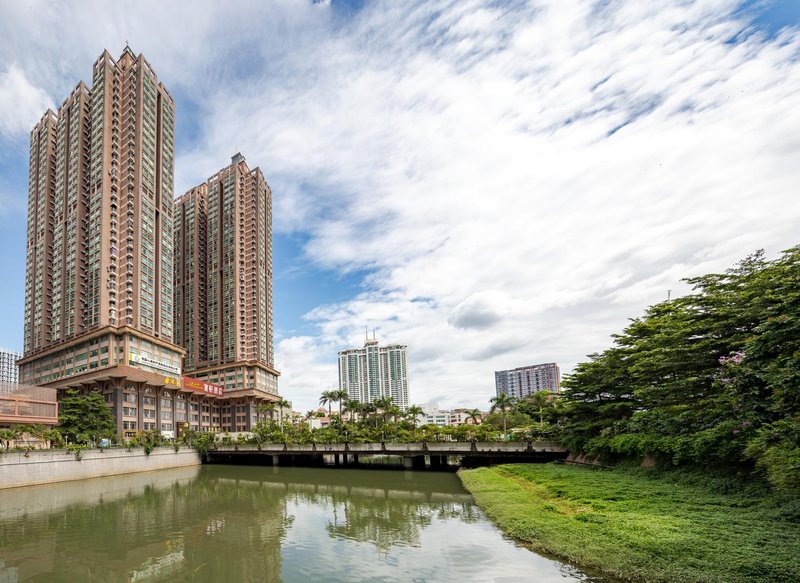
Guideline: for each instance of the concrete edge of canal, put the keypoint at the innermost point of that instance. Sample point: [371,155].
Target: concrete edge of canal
[49,466]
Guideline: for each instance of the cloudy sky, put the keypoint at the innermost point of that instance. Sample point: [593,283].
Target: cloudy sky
[492,183]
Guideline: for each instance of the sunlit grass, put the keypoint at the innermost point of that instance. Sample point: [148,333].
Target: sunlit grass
[645,525]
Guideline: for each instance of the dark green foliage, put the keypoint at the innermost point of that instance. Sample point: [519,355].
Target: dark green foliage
[201,441]
[709,379]
[85,418]
[148,440]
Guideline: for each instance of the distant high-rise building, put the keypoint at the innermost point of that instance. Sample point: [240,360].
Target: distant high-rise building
[99,258]
[223,287]
[526,380]
[375,372]
[9,371]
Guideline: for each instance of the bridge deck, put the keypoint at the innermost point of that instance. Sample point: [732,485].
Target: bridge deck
[492,449]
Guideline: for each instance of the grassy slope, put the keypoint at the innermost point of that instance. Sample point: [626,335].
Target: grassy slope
[640,525]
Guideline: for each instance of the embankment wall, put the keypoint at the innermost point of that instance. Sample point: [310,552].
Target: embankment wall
[58,465]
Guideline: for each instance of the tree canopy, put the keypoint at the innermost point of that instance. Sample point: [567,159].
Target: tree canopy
[710,378]
[85,418]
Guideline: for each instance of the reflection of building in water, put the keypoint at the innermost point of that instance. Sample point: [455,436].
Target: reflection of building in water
[8,574]
[167,529]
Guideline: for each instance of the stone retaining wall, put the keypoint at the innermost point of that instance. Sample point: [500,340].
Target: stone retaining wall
[58,465]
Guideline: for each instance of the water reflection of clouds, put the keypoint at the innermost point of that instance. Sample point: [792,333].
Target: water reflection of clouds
[430,545]
[228,523]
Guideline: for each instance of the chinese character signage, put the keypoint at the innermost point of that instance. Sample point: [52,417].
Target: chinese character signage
[202,387]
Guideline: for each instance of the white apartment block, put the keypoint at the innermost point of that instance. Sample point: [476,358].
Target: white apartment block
[442,418]
[9,371]
[375,372]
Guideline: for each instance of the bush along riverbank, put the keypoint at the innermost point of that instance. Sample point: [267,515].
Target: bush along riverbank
[645,524]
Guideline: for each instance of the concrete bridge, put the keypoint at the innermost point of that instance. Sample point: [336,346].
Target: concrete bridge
[417,456]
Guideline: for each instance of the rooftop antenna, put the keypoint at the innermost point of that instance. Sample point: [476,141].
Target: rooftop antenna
[366,333]
[373,334]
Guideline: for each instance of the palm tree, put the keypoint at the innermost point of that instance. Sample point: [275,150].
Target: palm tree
[367,409]
[326,398]
[384,403]
[340,397]
[475,416]
[281,404]
[352,406]
[266,408]
[413,413]
[394,411]
[540,400]
[503,403]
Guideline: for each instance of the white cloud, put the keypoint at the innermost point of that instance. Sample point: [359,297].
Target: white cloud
[540,181]
[518,180]
[21,103]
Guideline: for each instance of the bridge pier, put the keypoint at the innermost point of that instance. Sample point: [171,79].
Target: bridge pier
[437,461]
[414,462]
[276,460]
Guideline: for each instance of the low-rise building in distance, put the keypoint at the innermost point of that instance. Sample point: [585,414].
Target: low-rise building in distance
[432,415]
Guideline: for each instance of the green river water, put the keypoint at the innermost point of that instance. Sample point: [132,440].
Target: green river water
[243,523]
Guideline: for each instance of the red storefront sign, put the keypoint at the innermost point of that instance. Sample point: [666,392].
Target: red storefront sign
[202,387]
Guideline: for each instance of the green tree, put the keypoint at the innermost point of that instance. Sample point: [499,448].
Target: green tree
[340,396]
[710,378]
[282,404]
[503,403]
[266,408]
[384,405]
[413,412]
[353,407]
[475,416]
[85,418]
[327,399]
[536,403]
[9,435]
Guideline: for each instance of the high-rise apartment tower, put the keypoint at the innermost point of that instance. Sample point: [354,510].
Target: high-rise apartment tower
[223,287]
[99,259]
[9,371]
[375,372]
[525,380]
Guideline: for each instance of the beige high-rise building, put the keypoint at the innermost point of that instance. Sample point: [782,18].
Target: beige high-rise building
[99,308]
[223,289]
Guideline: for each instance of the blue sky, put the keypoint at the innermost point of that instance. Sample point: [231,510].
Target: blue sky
[492,183]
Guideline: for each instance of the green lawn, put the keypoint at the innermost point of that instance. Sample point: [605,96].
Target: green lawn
[645,525]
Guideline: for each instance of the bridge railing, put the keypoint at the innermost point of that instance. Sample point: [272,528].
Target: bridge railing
[420,448]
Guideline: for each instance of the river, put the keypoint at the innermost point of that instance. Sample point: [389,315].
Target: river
[242,523]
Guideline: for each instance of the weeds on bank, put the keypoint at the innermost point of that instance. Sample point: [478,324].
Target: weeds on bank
[646,525]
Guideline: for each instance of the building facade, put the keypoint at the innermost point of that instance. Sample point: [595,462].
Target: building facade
[9,371]
[99,259]
[105,309]
[223,286]
[374,372]
[432,415]
[526,380]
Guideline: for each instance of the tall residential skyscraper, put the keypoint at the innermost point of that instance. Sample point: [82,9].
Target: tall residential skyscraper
[526,380]
[374,372]
[9,371]
[99,259]
[223,286]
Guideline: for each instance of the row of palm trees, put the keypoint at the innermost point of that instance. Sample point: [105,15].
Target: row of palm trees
[383,408]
